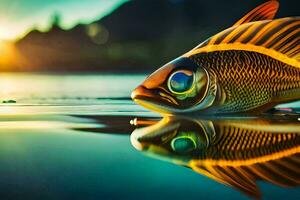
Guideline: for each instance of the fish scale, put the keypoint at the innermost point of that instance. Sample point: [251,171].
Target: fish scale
[249,83]
[241,144]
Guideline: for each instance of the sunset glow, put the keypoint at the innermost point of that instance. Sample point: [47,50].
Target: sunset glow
[8,55]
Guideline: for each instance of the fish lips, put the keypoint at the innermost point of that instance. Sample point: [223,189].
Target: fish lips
[152,100]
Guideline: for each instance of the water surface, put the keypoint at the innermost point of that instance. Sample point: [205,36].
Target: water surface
[68,137]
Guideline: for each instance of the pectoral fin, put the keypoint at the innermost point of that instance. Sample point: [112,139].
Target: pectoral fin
[237,178]
[283,171]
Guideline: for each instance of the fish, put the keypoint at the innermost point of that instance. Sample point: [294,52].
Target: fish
[248,68]
[236,152]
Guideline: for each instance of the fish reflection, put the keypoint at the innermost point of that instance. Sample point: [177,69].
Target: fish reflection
[237,153]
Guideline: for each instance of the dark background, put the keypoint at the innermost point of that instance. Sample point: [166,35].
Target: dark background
[140,35]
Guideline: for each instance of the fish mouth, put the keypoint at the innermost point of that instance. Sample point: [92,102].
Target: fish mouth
[155,135]
[152,101]
[153,141]
[141,93]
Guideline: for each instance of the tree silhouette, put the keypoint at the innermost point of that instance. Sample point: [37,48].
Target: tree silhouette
[56,20]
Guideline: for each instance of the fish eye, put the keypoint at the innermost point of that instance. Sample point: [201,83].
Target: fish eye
[183,144]
[181,81]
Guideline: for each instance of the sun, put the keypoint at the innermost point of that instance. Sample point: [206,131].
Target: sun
[8,54]
[3,48]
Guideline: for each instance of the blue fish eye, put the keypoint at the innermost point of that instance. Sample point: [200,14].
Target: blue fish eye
[181,81]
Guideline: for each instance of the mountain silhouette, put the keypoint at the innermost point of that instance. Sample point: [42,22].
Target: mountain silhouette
[137,36]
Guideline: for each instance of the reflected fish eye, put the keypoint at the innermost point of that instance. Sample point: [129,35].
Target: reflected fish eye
[181,81]
[183,144]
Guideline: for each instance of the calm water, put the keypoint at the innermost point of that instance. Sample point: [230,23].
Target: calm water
[68,137]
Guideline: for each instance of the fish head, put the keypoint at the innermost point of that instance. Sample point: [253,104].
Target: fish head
[180,86]
[173,139]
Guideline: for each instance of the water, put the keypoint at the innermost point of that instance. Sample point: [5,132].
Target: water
[68,137]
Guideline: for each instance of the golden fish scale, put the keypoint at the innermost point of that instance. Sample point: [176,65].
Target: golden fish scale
[249,79]
[241,144]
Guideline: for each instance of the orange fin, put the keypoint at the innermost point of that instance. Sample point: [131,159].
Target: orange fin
[277,38]
[237,178]
[283,172]
[265,11]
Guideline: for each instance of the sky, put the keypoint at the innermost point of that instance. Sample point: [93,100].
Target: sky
[17,17]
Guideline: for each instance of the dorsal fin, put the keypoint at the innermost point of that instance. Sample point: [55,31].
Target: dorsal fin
[263,12]
[279,39]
